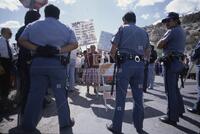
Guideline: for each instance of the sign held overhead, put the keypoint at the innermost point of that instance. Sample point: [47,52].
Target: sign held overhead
[85,32]
[105,41]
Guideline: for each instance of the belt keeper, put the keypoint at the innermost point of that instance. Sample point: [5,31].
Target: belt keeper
[131,57]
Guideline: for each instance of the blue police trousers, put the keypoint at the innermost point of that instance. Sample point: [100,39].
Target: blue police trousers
[197,104]
[131,73]
[45,72]
[175,101]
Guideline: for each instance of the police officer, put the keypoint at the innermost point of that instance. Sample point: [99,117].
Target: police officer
[173,45]
[132,43]
[196,58]
[24,59]
[49,39]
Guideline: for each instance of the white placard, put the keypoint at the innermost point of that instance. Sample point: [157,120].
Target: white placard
[85,32]
[105,41]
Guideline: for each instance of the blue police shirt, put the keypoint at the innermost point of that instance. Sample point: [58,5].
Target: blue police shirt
[175,40]
[131,39]
[49,31]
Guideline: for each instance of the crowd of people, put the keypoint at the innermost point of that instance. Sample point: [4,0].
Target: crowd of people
[48,58]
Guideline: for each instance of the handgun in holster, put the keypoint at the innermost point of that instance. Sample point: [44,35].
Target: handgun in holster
[65,59]
[166,59]
[120,58]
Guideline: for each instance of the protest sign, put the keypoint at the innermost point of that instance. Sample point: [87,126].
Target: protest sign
[105,41]
[85,32]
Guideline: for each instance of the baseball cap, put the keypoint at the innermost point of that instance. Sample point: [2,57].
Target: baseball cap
[171,15]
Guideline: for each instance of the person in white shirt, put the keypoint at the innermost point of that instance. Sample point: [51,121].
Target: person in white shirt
[6,62]
[71,70]
[4,39]
[78,69]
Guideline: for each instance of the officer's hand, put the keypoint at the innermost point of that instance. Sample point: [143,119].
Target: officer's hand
[40,50]
[47,51]
[52,50]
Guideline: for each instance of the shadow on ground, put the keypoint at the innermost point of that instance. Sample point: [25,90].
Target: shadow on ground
[102,113]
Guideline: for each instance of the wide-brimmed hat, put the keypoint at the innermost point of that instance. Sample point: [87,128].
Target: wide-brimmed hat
[171,15]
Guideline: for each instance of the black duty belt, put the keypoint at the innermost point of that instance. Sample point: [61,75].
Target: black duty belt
[48,57]
[124,56]
[137,58]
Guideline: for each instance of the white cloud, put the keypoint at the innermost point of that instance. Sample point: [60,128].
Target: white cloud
[145,16]
[11,24]
[183,6]
[69,1]
[54,1]
[148,2]
[156,15]
[124,3]
[10,4]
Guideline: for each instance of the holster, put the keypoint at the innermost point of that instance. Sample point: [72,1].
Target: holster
[120,58]
[64,60]
[166,59]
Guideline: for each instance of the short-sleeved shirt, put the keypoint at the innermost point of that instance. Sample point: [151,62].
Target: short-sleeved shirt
[73,54]
[4,48]
[131,39]
[175,40]
[49,31]
[24,53]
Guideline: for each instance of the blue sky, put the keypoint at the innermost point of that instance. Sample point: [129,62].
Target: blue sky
[106,14]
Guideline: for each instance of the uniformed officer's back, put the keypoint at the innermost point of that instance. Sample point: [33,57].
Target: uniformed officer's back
[50,32]
[130,45]
[49,40]
[136,35]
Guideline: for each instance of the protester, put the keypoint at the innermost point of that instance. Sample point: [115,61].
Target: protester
[71,70]
[91,75]
[151,68]
[78,68]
